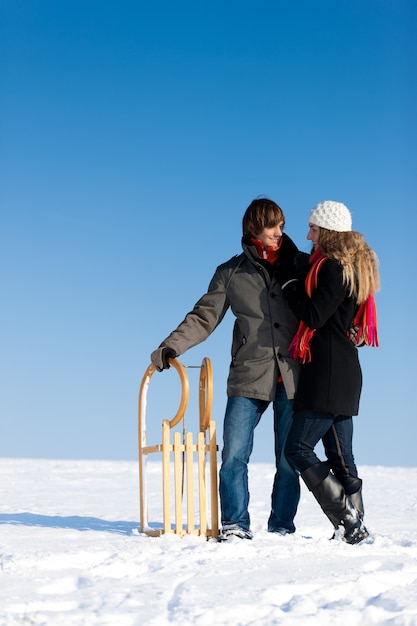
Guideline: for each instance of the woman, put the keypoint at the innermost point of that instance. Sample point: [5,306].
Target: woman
[341,280]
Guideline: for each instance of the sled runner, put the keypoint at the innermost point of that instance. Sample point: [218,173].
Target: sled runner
[182,456]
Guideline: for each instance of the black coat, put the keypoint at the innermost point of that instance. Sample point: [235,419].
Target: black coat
[332,381]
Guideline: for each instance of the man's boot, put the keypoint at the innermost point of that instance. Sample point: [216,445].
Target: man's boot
[332,498]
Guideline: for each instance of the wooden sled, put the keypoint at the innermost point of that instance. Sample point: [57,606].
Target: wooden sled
[179,454]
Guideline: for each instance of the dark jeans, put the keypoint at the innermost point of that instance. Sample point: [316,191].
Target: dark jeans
[336,432]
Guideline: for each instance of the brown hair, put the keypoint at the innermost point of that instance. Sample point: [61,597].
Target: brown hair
[261,213]
[358,260]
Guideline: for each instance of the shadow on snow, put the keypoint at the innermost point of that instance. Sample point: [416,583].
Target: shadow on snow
[75,522]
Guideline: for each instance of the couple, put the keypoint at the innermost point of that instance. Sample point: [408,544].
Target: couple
[292,345]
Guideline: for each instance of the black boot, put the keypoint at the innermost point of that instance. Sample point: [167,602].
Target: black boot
[353,489]
[332,498]
[356,499]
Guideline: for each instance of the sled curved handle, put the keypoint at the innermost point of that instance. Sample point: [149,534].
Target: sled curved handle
[185,391]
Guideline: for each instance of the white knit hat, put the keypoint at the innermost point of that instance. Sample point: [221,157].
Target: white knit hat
[331,215]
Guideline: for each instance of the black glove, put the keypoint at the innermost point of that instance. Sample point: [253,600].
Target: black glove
[285,267]
[354,336]
[302,264]
[160,356]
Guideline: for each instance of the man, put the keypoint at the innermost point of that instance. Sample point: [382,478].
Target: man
[261,370]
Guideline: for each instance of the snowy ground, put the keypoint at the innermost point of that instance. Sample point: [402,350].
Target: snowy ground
[71,555]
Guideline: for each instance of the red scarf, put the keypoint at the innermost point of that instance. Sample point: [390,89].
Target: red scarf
[269,253]
[365,319]
[367,323]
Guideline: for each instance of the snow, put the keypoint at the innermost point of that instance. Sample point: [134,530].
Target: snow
[71,555]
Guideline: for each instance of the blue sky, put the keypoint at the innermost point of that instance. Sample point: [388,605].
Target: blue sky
[133,137]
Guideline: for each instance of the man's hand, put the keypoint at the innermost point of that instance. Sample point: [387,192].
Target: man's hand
[354,337]
[160,356]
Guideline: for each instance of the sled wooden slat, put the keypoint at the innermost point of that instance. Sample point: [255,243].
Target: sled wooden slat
[166,476]
[189,452]
[201,453]
[213,479]
[194,464]
[149,449]
[178,484]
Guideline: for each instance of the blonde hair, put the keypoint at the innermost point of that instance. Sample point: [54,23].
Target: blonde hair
[359,262]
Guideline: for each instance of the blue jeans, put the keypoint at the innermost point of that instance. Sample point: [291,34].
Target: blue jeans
[336,432]
[241,418]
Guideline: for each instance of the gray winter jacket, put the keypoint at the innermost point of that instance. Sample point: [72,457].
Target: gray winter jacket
[263,330]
